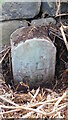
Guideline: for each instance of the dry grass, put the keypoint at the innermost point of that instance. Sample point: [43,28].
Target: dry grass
[38,103]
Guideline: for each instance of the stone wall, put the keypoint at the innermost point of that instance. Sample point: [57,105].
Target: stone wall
[14,13]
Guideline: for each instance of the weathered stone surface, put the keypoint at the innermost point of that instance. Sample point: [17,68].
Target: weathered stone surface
[43,21]
[8,27]
[20,10]
[50,7]
[64,7]
[0,36]
[33,60]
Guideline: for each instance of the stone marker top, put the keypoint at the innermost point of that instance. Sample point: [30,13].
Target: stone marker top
[33,40]
[22,34]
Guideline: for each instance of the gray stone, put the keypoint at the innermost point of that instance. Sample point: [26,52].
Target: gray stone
[0,36]
[50,7]
[43,21]
[8,27]
[33,60]
[20,10]
[64,7]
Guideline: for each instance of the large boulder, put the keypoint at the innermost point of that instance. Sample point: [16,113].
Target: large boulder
[33,58]
[20,10]
[8,27]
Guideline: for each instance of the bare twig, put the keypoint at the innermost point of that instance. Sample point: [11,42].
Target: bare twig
[57,103]
[63,14]
[58,8]
[64,37]
[4,50]
[4,56]
[37,91]
[47,101]
[25,108]
[34,110]
[28,114]
[65,27]
[55,111]
[9,101]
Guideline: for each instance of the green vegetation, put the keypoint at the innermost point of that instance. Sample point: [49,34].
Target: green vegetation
[1,1]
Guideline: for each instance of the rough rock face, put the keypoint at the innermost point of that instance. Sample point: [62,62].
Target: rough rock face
[20,10]
[50,7]
[64,7]
[0,36]
[33,60]
[8,27]
[43,21]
